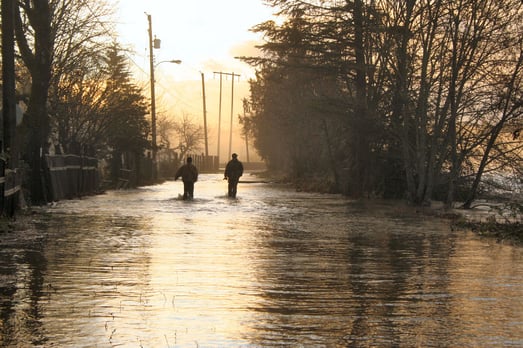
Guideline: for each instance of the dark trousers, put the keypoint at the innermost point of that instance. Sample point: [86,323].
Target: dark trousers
[188,189]
[233,185]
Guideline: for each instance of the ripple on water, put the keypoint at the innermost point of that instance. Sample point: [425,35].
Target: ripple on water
[272,268]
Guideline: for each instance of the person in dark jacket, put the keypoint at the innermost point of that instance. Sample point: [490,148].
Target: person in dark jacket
[233,171]
[189,175]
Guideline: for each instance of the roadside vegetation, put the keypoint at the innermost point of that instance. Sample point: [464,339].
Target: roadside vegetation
[416,100]
[502,232]
[75,87]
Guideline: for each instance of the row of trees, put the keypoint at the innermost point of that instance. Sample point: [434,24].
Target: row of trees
[410,99]
[80,95]
[75,82]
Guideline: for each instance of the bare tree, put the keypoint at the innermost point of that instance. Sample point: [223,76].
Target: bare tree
[79,88]
[446,53]
[510,109]
[417,91]
[35,38]
[190,136]
[47,32]
[166,131]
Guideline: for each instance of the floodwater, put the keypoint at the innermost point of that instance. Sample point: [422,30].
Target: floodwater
[273,268]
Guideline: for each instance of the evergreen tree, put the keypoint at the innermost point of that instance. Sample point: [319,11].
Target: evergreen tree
[126,109]
[406,94]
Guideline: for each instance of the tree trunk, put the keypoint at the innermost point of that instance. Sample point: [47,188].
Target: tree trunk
[360,151]
[39,65]
[494,134]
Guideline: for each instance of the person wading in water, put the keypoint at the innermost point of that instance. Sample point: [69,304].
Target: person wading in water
[233,171]
[189,175]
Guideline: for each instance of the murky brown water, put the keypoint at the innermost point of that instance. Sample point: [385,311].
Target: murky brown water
[275,268]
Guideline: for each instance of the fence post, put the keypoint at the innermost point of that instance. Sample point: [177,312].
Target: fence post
[2,186]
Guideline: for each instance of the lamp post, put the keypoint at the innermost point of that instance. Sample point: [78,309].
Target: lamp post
[156,44]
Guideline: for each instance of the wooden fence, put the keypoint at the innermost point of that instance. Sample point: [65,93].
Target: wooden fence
[10,185]
[205,164]
[72,176]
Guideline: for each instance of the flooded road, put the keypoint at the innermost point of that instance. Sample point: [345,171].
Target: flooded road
[274,268]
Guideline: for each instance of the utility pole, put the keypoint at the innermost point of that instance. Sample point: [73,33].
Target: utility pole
[232,105]
[154,44]
[219,119]
[205,118]
[246,109]
[153,99]
[230,127]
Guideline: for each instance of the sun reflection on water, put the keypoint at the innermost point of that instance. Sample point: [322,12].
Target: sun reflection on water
[141,268]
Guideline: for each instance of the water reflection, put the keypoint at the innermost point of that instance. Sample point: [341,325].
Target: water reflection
[274,268]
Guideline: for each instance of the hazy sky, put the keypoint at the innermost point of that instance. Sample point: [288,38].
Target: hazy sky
[206,35]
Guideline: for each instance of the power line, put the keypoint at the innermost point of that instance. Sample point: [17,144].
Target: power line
[220,111]
[128,55]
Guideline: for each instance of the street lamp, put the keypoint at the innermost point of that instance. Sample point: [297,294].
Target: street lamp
[156,43]
[174,61]
[153,116]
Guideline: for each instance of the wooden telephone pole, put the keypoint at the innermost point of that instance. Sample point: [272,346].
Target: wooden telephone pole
[220,110]
[153,100]
[205,118]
